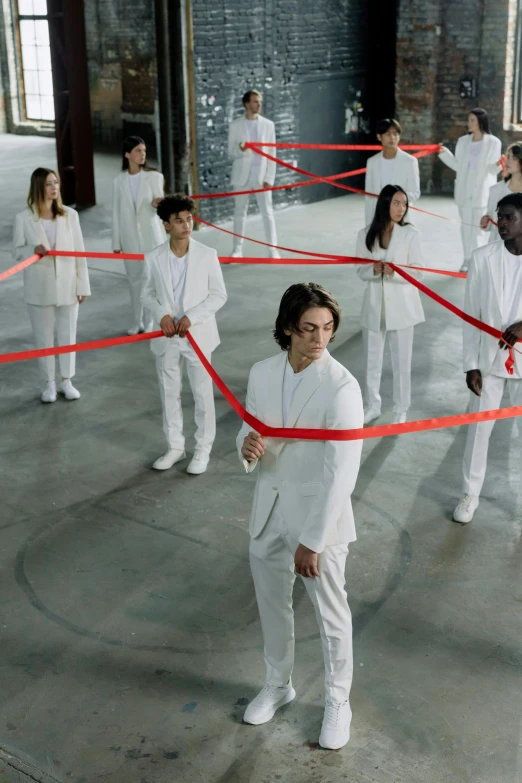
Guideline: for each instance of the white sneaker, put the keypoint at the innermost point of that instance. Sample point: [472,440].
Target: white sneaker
[464,267]
[169,459]
[198,464]
[238,253]
[371,414]
[136,329]
[67,389]
[267,702]
[399,418]
[465,509]
[275,254]
[149,326]
[49,393]
[335,731]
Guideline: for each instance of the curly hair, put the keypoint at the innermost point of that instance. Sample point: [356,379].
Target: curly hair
[296,300]
[174,204]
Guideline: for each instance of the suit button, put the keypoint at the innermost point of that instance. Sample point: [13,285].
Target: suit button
[275,488]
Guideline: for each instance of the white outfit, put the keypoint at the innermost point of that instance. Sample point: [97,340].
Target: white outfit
[249,172]
[494,295]
[52,285]
[136,228]
[391,306]
[404,169]
[303,495]
[196,289]
[476,166]
[496,194]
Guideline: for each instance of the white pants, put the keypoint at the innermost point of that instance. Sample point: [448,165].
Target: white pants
[477,440]
[43,319]
[471,236]
[170,369]
[134,270]
[401,344]
[272,563]
[264,202]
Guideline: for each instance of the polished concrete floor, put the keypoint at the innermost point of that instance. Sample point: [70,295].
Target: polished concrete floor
[129,636]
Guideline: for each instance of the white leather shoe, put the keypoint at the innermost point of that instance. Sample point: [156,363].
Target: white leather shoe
[335,731]
[169,459]
[399,418]
[67,389]
[136,329]
[198,464]
[371,414]
[464,267]
[149,326]
[267,702]
[275,254]
[49,393]
[466,509]
[236,254]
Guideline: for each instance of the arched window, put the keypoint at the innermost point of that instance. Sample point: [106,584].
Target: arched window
[37,85]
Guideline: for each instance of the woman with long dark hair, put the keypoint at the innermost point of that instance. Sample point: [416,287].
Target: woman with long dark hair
[391,305]
[136,228]
[476,161]
[511,183]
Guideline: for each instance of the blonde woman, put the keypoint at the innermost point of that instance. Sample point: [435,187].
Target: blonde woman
[136,228]
[53,287]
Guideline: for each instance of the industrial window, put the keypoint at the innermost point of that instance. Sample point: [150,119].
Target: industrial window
[36,68]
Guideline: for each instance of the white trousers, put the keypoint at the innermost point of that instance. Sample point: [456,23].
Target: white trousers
[272,563]
[43,320]
[134,270]
[170,370]
[264,202]
[401,345]
[477,439]
[472,237]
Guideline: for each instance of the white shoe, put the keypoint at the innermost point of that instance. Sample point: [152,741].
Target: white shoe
[465,509]
[198,464]
[335,731]
[149,326]
[136,329]
[275,254]
[236,254]
[399,418]
[67,389]
[371,414]
[169,459]
[49,393]
[267,702]
[464,267]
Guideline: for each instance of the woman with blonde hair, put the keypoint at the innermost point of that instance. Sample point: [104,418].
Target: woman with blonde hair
[53,286]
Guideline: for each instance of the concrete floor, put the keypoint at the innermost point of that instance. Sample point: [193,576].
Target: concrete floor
[129,634]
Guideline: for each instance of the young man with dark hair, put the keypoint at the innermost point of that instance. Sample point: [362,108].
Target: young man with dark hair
[183,288]
[251,171]
[302,518]
[494,296]
[392,166]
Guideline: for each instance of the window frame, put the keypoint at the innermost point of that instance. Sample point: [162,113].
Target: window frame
[18,17]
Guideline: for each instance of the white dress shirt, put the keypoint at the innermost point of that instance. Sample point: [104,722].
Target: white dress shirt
[511,296]
[387,171]
[178,270]
[49,226]
[474,154]
[134,182]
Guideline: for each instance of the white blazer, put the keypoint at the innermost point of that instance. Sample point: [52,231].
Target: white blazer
[137,229]
[483,300]
[406,174]
[472,189]
[204,293]
[496,193]
[314,479]
[402,303]
[51,281]
[242,160]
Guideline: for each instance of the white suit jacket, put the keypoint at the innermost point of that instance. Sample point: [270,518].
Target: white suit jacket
[314,479]
[406,174]
[473,190]
[483,300]
[137,229]
[496,193]
[242,160]
[402,303]
[204,293]
[51,281]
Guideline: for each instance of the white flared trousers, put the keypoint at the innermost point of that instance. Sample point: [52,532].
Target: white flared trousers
[477,439]
[401,346]
[170,370]
[264,203]
[470,232]
[272,563]
[44,319]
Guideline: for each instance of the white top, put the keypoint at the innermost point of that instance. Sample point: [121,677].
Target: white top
[178,270]
[291,381]
[49,226]
[511,296]
[253,135]
[387,171]
[134,181]
[474,154]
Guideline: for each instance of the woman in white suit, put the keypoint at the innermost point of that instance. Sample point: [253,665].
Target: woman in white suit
[391,305]
[476,161]
[53,287]
[512,183]
[136,228]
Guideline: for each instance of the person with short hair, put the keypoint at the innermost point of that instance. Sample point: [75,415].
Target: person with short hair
[494,296]
[183,288]
[392,166]
[302,518]
[251,171]
[511,183]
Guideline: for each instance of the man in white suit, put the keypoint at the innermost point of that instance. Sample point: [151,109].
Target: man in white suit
[183,288]
[493,295]
[302,519]
[251,171]
[392,166]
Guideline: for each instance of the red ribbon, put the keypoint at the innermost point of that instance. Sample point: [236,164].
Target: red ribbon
[284,145]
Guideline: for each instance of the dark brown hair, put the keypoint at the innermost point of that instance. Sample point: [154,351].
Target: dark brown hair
[385,125]
[296,300]
[483,119]
[36,196]
[516,150]
[381,219]
[248,95]
[174,204]
[127,146]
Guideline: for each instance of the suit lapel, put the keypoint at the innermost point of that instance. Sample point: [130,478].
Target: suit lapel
[127,192]
[496,270]
[142,187]
[310,382]
[61,233]
[191,277]
[165,270]
[42,236]
[274,391]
